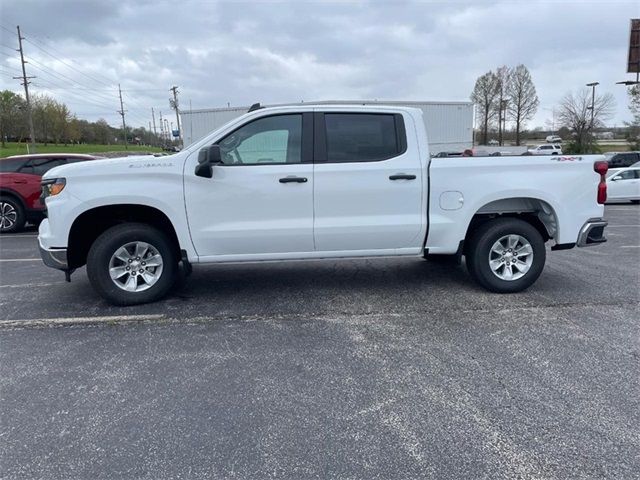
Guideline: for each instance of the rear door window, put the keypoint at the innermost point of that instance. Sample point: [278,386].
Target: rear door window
[360,137]
[11,165]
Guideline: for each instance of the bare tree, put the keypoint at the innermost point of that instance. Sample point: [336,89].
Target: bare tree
[484,95]
[503,75]
[523,99]
[575,113]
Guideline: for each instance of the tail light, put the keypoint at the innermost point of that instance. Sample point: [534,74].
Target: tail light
[601,169]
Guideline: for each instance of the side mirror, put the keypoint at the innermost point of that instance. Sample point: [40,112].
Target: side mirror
[207,158]
[616,178]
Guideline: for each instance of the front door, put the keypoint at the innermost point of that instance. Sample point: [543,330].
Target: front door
[260,199]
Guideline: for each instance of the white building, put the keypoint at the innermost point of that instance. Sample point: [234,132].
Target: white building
[449,124]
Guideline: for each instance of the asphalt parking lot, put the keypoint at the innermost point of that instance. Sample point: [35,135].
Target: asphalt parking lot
[387,368]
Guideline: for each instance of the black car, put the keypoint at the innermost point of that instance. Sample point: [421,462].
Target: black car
[622,159]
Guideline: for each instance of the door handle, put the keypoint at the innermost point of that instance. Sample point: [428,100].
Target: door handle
[402,176]
[19,181]
[293,180]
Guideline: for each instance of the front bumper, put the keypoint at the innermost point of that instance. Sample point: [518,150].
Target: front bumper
[54,258]
[592,232]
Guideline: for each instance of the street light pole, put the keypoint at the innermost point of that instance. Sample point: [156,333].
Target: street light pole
[593,100]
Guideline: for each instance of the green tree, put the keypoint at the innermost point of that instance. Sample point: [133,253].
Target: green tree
[103,132]
[12,121]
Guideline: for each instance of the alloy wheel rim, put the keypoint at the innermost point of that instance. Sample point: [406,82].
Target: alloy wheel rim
[511,257]
[8,216]
[135,266]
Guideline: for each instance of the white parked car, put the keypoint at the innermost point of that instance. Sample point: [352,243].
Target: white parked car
[624,185]
[547,149]
[315,182]
[553,139]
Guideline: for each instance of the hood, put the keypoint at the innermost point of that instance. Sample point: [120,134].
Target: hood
[123,165]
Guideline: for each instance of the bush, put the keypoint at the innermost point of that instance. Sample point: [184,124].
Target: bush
[577,148]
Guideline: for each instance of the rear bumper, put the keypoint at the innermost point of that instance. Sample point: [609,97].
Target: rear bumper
[592,232]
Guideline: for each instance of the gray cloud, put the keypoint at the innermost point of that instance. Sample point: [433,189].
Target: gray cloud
[242,52]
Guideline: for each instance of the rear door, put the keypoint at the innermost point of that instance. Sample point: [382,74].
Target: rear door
[367,182]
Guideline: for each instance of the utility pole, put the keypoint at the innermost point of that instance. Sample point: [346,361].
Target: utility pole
[25,82]
[153,116]
[175,106]
[121,112]
[161,128]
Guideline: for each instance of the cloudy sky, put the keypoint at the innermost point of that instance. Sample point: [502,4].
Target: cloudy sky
[237,53]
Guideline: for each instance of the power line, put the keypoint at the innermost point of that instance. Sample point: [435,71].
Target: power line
[61,76]
[71,67]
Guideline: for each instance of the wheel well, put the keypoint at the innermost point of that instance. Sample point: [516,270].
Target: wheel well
[13,195]
[92,223]
[536,212]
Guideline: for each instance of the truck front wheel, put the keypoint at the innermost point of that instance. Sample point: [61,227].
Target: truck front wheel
[505,255]
[132,263]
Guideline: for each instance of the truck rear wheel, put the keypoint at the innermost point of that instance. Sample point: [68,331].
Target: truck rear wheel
[506,255]
[132,263]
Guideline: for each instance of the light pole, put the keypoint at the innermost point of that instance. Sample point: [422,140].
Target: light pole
[553,119]
[593,100]
[630,83]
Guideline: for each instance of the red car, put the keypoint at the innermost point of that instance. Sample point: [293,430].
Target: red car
[20,186]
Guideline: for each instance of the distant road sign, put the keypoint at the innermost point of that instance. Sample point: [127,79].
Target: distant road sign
[633,64]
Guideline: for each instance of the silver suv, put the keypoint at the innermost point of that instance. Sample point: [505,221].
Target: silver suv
[547,150]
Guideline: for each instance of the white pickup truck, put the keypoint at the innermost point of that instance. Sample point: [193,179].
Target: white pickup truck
[315,181]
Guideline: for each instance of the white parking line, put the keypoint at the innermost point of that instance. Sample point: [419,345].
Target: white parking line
[621,226]
[21,260]
[32,285]
[630,246]
[50,322]
[4,237]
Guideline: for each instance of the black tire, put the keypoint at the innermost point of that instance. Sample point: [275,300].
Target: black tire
[7,202]
[479,246]
[111,240]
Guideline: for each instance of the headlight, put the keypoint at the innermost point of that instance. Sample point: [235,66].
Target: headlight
[53,186]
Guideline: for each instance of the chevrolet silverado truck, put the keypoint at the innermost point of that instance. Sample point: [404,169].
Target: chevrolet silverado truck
[316,182]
